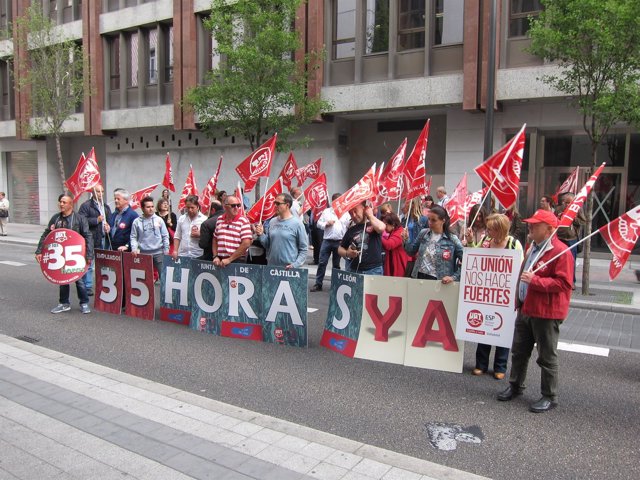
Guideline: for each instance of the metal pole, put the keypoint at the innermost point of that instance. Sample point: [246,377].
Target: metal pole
[491,82]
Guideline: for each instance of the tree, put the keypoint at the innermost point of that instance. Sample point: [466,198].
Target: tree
[51,71]
[596,44]
[258,88]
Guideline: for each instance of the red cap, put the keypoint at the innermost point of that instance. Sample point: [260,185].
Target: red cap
[543,216]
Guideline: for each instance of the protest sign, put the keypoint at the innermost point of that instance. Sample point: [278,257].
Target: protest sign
[284,305]
[174,290]
[139,291]
[63,256]
[108,287]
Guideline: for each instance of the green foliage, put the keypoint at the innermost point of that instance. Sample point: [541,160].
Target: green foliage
[258,86]
[597,45]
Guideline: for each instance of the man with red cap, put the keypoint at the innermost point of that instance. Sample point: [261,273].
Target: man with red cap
[543,299]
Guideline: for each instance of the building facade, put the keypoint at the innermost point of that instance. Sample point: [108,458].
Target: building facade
[389,65]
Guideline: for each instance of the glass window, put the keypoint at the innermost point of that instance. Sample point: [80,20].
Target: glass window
[575,150]
[152,76]
[519,14]
[132,79]
[5,19]
[114,63]
[411,20]
[377,26]
[168,55]
[449,22]
[344,28]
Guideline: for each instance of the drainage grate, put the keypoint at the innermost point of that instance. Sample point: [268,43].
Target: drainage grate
[28,339]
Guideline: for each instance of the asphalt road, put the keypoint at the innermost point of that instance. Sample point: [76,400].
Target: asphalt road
[592,434]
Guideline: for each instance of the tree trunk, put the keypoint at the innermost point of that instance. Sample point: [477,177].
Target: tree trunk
[63,177]
[254,145]
[588,213]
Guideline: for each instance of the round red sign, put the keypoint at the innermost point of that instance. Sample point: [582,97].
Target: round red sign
[474,318]
[63,256]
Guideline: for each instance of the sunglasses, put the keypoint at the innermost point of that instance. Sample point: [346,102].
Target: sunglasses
[234,205]
[277,204]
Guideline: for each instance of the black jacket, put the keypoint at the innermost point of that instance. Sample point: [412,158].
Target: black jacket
[207,229]
[89,210]
[79,224]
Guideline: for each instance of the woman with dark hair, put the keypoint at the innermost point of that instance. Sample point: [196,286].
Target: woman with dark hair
[547,203]
[395,260]
[163,210]
[439,252]
[476,230]
[427,204]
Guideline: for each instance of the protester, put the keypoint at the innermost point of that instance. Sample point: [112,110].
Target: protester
[285,239]
[4,214]
[362,242]
[497,237]
[316,234]
[221,196]
[208,228]
[68,219]
[120,221]
[427,204]
[296,207]
[149,235]
[441,195]
[166,195]
[95,211]
[415,221]
[395,259]
[384,209]
[543,299]
[232,236]
[439,252]
[334,229]
[185,240]
[570,235]
[476,228]
[516,230]
[170,220]
[547,203]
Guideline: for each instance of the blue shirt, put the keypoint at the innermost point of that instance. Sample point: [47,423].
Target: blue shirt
[286,242]
[533,255]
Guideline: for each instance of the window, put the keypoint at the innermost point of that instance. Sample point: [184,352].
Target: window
[5,19]
[449,22]
[152,75]
[132,46]
[6,89]
[377,26]
[168,55]
[411,21]
[519,14]
[344,28]
[114,62]
[53,10]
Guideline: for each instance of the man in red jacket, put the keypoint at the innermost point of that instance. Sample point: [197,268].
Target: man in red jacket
[543,299]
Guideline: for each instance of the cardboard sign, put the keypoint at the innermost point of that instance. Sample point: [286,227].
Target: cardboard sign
[284,306]
[63,256]
[139,291]
[174,290]
[487,302]
[108,285]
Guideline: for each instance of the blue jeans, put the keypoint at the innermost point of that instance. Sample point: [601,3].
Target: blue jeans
[372,271]
[88,277]
[80,289]
[499,360]
[328,248]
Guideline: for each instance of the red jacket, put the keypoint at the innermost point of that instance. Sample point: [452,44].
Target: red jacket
[549,292]
[395,260]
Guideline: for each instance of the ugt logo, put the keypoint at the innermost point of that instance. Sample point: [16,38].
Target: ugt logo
[260,161]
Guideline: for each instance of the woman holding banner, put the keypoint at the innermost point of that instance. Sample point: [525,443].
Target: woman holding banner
[497,236]
[439,252]
[395,259]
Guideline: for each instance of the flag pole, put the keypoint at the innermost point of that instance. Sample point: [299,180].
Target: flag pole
[264,198]
[563,251]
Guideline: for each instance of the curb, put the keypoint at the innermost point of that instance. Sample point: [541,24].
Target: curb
[604,307]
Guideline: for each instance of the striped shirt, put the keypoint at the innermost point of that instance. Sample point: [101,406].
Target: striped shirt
[230,233]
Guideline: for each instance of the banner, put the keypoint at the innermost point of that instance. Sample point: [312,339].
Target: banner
[139,291]
[487,302]
[63,256]
[284,306]
[84,177]
[289,170]
[174,290]
[258,164]
[108,286]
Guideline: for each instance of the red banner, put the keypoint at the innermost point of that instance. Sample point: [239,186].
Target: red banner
[85,176]
[502,170]
[569,215]
[621,236]
[266,204]
[188,189]
[140,194]
[258,164]
[415,181]
[167,181]
[108,268]
[455,206]
[390,180]
[365,189]
[569,185]
[289,170]
[210,190]
[63,256]
[308,171]
[139,290]
[316,196]
[473,199]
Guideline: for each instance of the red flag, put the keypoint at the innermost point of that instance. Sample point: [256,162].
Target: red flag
[569,185]
[266,203]
[167,181]
[502,170]
[455,206]
[365,189]
[473,199]
[140,194]
[414,170]
[390,181]
[569,215]
[85,176]
[289,170]
[316,196]
[621,236]
[188,189]
[308,171]
[258,164]
[209,191]
[239,196]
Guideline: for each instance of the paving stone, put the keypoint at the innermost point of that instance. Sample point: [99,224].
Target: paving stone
[326,471]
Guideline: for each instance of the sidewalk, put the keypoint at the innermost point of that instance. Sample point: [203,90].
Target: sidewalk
[62,417]
[620,296]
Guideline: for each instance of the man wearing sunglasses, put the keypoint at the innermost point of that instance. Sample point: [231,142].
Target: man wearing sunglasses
[232,236]
[285,239]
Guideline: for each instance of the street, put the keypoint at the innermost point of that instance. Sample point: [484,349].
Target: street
[592,434]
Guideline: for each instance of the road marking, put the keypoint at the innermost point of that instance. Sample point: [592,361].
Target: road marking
[578,348]
[311,310]
[12,264]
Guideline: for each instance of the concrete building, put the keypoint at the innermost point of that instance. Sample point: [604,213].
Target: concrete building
[390,65]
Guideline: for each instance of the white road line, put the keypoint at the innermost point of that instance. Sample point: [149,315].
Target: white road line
[578,348]
[12,264]
[311,310]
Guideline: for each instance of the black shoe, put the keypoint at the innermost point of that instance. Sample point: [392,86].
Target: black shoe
[90,292]
[543,405]
[509,393]
[316,288]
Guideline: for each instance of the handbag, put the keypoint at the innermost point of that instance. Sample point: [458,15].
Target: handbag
[4,213]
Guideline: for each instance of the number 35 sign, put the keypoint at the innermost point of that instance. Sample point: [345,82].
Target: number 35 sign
[63,257]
